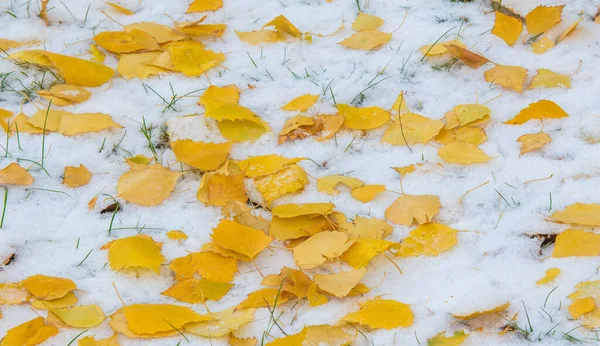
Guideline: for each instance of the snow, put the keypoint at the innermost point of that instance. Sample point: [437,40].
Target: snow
[494,261]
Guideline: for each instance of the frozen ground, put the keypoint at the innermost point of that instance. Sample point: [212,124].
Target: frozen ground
[493,262]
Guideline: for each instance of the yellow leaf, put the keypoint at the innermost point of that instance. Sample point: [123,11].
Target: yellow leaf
[176,235]
[412,128]
[195,291]
[120,9]
[90,341]
[92,203]
[549,79]
[138,65]
[366,22]
[67,94]
[139,251]
[160,33]
[263,298]
[292,179]
[405,169]
[203,30]
[260,166]
[579,214]
[30,333]
[581,306]
[261,36]
[367,40]
[219,189]
[13,293]
[509,77]
[441,340]
[126,42]
[293,210]
[367,193]
[461,152]
[331,124]
[83,316]
[588,289]
[293,281]
[301,103]
[290,340]
[13,174]
[21,122]
[192,59]
[209,265]
[244,240]
[542,18]
[72,70]
[243,214]
[149,319]
[476,314]
[70,124]
[428,240]
[320,247]
[363,118]
[533,141]
[576,243]
[48,287]
[6,45]
[138,161]
[314,297]
[466,114]
[316,335]
[204,156]
[363,227]
[283,25]
[542,45]
[550,275]
[408,209]
[538,110]
[149,185]
[329,183]
[507,28]
[299,126]
[364,249]
[204,5]
[473,60]
[234,341]
[339,284]
[67,301]
[76,176]
[236,123]
[298,227]
[467,134]
[396,314]
[97,55]
[439,48]
[222,323]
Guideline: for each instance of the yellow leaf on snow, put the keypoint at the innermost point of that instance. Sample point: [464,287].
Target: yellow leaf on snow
[176,235]
[363,227]
[538,110]
[219,189]
[292,179]
[260,166]
[150,319]
[21,122]
[462,152]
[70,124]
[14,174]
[542,45]
[126,42]
[236,123]
[160,33]
[331,124]
[581,306]
[429,239]
[366,21]
[576,243]
[579,214]
[476,314]
[367,193]
[367,40]
[339,284]
[408,209]
[204,156]
[120,8]
[192,59]
[412,129]
[293,210]
[316,335]
[363,118]
[68,300]
[261,36]
[301,103]
[441,340]
[550,275]
[533,141]
[265,297]
[244,240]
[83,316]
[76,176]
[235,341]
[507,28]
[569,30]
[315,298]
[139,251]
[97,55]
[300,126]
[222,323]
[467,134]
[33,332]
[329,183]
[292,281]
[139,65]
[149,185]
[65,94]
[439,48]
[397,314]
[290,340]
[282,25]
[72,70]
[549,79]
[466,114]
[204,5]
[203,30]
[13,293]
[320,247]
[509,77]
[364,249]
[542,18]
[588,289]
[473,60]
[299,226]
[90,341]
[209,265]
[48,287]
[195,291]
[6,45]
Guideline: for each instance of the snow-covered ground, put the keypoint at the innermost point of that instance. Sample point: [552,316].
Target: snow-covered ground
[494,261]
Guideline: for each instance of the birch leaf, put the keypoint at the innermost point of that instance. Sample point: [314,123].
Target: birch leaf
[507,28]
[428,240]
[549,79]
[139,251]
[366,21]
[509,77]
[196,291]
[538,110]
[339,284]
[463,153]
[209,265]
[301,103]
[83,316]
[398,315]
[368,39]
[76,176]
[542,18]
[244,240]
[363,118]
[48,287]
[148,186]
[576,243]
[204,156]
[550,275]
[533,141]
[408,209]
[320,247]
[14,174]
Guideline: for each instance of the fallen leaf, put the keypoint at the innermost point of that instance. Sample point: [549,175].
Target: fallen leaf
[70,124]
[265,297]
[464,153]
[150,319]
[244,240]
[429,239]
[473,60]
[366,21]
[97,55]
[293,210]
[467,134]
[329,183]
[261,36]
[509,77]
[292,179]
[581,306]
[549,79]
[219,189]
[283,25]
[139,65]
[204,156]
[363,227]
[299,227]
[315,298]
[466,114]
[538,110]
[83,316]
[76,176]
[408,209]
[33,332]
[363,118]
[65,94]
[331,124]
[68,300]
[149,185]
[13,174]
[196,291]
[120,8]
[161,33]
[368,39]
[301,103]
[90,341]
[235,341]
[260,166]
[542,18]
[507,28]
[550,275]
[192,59]
[300,126]
[320,247]
[221,323]
[6,45]
[367,193]
[290,280]
[341,283]
[533,141]
[13,293]
[203,30]
[439,48]
[441,340]
[576,243]
[209,265]
[48,287]
[397,314]
[364,249]
[476,314]
[412,129]
[176,235]
[542,45]
[139,251]
[204,5]
[316,335]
